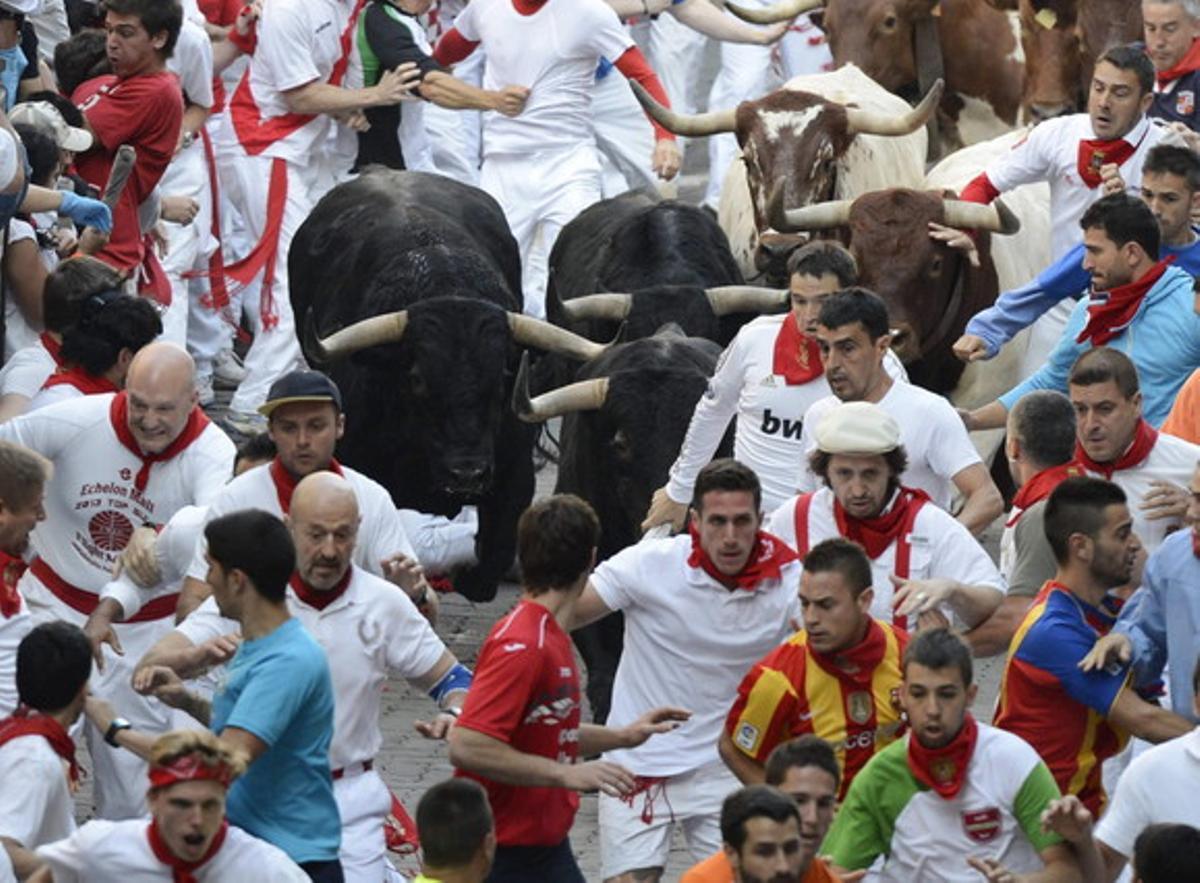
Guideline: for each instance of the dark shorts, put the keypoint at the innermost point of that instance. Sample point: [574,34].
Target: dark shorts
[535,864]
[324,872]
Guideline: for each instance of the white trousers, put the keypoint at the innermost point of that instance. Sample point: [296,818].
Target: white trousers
[624,137]
[188,245]
[541,193]
[455,134]
[363,803]
[275,349]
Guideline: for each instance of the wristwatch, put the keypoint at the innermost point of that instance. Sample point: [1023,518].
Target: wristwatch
[118,724]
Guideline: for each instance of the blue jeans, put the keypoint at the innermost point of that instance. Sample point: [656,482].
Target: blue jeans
[535,864]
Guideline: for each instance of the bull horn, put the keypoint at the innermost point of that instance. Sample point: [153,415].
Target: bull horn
[785,11]
[585,395]
[994,218]
[728,299]
[818,216]
[689,125]
[529,331]
[869,122]
[366,333]
[608,305]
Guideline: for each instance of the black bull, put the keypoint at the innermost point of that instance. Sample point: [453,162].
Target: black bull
[621,431]
[426,390]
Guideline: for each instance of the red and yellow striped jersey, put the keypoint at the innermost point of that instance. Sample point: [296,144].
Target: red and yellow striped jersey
[1058,709]
[794,691]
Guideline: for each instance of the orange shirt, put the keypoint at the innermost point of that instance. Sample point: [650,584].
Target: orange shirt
[717,869]
[1184,420]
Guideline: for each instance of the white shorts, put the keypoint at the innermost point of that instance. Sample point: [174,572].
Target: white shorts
[636,833]
[363,803]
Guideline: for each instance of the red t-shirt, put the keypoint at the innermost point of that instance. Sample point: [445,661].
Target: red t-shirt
[526,693]
[145,112]
[222,13]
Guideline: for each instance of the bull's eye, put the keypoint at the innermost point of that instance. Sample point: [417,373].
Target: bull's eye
[890,22]
[935,266]
[620,446]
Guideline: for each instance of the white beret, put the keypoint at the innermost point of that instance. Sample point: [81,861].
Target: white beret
[857,428]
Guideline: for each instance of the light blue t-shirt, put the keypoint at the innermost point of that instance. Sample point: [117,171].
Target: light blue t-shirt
[279,689]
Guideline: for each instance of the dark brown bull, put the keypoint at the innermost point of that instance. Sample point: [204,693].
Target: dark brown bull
[976,43]
[1062,39]
[793,143]
[930,289]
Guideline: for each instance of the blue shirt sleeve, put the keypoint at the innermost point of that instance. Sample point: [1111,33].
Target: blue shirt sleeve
[1143,619]
[1053,374]
[1019,308]
[1056,646]
[279,687]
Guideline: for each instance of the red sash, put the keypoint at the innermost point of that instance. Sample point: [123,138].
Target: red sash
[1135,454]
[11,568]
[22,723]
[1190,62]
[85,383]
[766,561]
[317,599]
[1096,152]
[52,346]
[181,871]
[1039,487]
[83,601]
[944,769]
[118,413]
[901,537]
[1109,317]
[797,356]
[285,482]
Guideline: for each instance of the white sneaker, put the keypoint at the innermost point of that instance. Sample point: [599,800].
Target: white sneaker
[245,423]
[228,371]
[204,386]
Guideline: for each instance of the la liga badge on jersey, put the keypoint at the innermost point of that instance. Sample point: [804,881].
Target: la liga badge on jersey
[982,825]
[1185,103]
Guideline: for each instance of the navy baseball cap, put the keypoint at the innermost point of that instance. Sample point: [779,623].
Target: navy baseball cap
[301,386]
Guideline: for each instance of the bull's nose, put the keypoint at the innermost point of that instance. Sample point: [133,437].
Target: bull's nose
[467,479]
[1042,112]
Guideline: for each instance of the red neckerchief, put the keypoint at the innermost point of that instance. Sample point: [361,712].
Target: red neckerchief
[1039,487]
[285,482]
[82,381]
[797,356]
[1096,152]
[876,534]
[863,657]
[528,7]
[1190,62]
[320,600]
[11,568]
[52,346]
[181,871]
[944,769]
[118,413]
[1109,317]
[1139,450]
[24,723]
[765,562]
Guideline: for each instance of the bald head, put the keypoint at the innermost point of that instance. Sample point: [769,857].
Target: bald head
[161,387]
[323,519]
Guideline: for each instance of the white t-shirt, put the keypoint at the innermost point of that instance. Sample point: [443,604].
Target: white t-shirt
[192,63]
[1160,785]
[28,369]
[173,551]
[380,533]
[119,852]
[770,415]
[51,395]
[689,641]
[92,504]
[372,631]
[1171,459]
[36,805]
[931,431]
[554,52]
[12,632]
[299,42]
[1050,153]
[18,333]
[940,547]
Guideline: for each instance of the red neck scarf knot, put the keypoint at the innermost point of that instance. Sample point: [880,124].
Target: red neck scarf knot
[11,568]
[1190,62]
[87,384]
[285,482]
[181,871]
[1095,153]
[944,769]
[24,722]
[855,665]
[197,422]
[1112,311]
[1135,454]
[797,356]
[767,558]
[1039,487]
[876,534]
[318,599]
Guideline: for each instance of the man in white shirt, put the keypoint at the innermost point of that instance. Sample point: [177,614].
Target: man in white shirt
[23,477]
[1116,442]
[187,838]
[37,755]
[283,116]
[1085,155]
[542,166]
[922,560]
[123,463]
[369,631]
[853,334]
[700,610]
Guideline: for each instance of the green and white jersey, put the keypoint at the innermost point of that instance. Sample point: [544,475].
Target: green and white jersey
[922,836]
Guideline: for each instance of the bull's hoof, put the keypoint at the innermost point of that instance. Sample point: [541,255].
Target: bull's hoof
[474,587]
